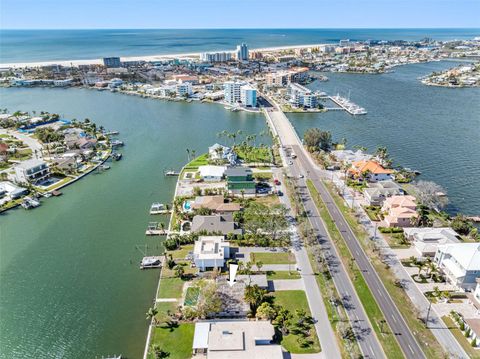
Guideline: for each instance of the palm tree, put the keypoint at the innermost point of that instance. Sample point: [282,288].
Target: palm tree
[159,353]
[254,296]
[259,265]
[151,314]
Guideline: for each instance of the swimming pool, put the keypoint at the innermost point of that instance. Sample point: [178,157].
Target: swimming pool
[187,206]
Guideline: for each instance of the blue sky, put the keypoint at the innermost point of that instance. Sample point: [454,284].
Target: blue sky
[77,14]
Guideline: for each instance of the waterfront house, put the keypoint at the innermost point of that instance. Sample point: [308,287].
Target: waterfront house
[235,340]
[370,170]
[400,210]
[210,252]
[220,152]
[32,171]
[240,180]
[214,224]
[216,204]
[460,262]
[211,173]
[9,191]
[349,156]
[377,192]
[426,239]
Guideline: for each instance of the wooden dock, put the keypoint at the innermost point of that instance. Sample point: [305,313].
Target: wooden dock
[156,232]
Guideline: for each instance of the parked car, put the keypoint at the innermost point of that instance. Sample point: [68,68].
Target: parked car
[277,182]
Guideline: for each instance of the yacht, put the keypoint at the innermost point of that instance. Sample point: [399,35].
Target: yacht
[29,203]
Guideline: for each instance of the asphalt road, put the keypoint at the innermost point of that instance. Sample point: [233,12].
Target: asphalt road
[302,164]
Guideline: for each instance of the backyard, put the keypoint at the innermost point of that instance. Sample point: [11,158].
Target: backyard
[177,340]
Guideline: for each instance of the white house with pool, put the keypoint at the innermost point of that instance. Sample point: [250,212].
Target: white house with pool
[210,252]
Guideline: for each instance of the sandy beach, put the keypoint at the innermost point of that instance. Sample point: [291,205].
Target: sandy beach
[147,58]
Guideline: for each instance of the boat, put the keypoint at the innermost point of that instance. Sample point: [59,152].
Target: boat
[111,133]
[104,167]
[158,208]
[57,193]
[29,203]
[117,156]
[47,195]
[150,262]
[171,173]
[117,143]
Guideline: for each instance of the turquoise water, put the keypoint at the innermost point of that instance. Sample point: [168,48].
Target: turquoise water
[432,129]
[43,45]
[70,286]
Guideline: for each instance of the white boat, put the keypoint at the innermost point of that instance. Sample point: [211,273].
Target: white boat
[117,143]
[158,208]
[104,167]
[150,262]
[29,203]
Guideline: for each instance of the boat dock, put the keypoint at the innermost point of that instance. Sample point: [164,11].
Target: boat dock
[474,219]
[159,208]
[347,105]
[154,229]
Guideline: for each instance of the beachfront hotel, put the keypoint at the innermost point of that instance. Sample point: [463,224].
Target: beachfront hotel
[242,52]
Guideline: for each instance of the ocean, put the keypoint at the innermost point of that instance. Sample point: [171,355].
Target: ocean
[48,45]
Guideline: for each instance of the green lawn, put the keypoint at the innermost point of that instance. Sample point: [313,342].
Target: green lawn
[457,333]
[272,275]
[201,160]
[274,258]
[176,341]
[291,300]
[182,252]
[171,288]
[255,154]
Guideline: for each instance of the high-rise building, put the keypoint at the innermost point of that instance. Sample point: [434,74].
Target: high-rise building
[248,96]
[112,62]
[242,52]
[216,56]
[231,90]
[300,96]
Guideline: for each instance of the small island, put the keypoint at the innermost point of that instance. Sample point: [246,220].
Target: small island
[460,76]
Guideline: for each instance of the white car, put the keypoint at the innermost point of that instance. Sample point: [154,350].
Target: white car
[300,175]
[290,162]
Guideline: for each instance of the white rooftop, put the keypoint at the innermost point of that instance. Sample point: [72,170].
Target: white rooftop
[465,254]
[211,171]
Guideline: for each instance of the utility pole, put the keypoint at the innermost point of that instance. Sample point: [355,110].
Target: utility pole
[428,314]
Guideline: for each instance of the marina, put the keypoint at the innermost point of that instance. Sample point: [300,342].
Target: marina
[347,105]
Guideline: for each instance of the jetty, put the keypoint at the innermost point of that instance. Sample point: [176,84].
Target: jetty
[474,218]
[347,105]
[159,208]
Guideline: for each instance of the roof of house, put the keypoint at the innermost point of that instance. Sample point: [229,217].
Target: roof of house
[211,171]
[401,201]
[428,234]
[254,279]
[465,254]
[200,338]
[209,247]
[31,163]
[210,202]
[371,166]
[238,171]
[213,224]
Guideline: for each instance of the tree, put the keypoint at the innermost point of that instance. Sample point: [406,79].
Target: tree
[158,352]
[266,311]
[430,194]
[422,219]
[282,320]
[179,271]
[209,300]
[254,296]
[461,224]
[318,139]
[259,265]
[151,314]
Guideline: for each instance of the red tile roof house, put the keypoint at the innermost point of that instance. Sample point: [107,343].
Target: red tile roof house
[400,210]
[371,169]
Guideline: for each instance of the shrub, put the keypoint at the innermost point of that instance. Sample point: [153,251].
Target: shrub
[462,326]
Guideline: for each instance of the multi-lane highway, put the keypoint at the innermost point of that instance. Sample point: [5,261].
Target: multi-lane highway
[367,340]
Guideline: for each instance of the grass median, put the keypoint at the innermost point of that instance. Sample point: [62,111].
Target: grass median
[375,315]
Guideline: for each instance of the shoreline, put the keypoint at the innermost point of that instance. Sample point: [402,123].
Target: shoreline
[147,58]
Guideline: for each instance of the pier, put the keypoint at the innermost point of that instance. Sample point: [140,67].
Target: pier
[347,105]
[154,229]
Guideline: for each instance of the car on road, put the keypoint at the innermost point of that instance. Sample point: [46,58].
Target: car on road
[277,182]
[279,193]
[290,162]
[301,175]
